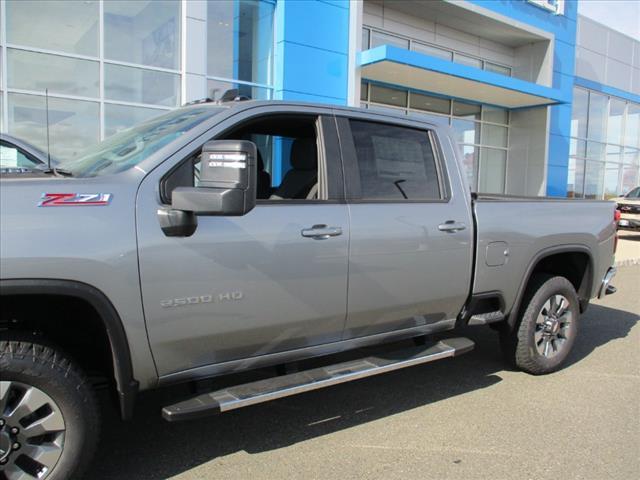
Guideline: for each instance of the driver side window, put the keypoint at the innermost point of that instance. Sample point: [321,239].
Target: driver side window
[287,156]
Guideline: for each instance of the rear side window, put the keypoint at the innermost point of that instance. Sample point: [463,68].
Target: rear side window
[395,163]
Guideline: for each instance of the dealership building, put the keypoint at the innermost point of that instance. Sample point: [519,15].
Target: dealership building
[542,101]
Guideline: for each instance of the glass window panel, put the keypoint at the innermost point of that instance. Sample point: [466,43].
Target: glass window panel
[64,26]
[379,38]
[632,129]
[579,113]
[469,161]
[594,178]
[395,163]
[495,115]
[630,178]
[493,165]
[614,126]
[611,180]
[392,110]
[365,38]
[596,129]
[470,111]
[631,156]
[12,157]
[575,179]
[39,71]
[614,154]
[240,40]
[364,91]
[494,135]
[467,60]
[577,148]
[492,67]
[120,117]
[145,32]
[1,112]
[73,124]
[388,96]
[216,88]
[137,85]
[466,131]
[431,51]
[437,119]
[595,151]
[429,103]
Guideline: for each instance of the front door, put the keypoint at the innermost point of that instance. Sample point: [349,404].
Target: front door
[270,281]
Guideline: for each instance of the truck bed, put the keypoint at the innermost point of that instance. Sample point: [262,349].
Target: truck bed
[513,233]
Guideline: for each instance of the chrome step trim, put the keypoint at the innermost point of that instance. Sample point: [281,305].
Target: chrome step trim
[486,318]
[278,387]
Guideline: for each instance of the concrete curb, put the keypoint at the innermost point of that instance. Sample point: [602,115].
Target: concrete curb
[628,262]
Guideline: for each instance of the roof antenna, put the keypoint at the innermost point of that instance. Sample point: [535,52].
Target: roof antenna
[46,96]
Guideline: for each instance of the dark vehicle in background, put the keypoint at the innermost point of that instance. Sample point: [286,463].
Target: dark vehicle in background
[19,156]
[629,208]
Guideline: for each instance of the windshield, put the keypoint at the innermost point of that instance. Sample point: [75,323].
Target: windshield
[129,147]
[635,193]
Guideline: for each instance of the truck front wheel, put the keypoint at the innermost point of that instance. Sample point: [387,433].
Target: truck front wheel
[542,340]
[49,417]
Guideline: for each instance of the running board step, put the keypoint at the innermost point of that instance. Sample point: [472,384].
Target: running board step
[283,386]
[486,318]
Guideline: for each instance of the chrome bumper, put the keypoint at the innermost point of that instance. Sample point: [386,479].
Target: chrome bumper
[605,287]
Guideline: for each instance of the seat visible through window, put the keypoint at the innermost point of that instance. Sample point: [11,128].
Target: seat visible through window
[303,176]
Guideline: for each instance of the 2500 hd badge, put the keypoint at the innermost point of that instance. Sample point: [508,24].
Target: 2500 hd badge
[211,298]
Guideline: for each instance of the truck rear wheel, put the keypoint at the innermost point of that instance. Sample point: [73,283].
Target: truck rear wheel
[49,418]
[545,334]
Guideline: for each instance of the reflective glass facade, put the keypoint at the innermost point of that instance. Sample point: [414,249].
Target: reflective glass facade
[482,131]
[605,145]
[109,64]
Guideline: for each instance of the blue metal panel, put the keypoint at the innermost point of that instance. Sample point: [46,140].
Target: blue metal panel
[318,24]
[562,115]
[312,44]
[558,145]
[426,62]
[557,180]
[306,97]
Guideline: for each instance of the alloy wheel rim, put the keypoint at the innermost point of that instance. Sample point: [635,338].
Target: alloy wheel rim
[554,326]
[32,431]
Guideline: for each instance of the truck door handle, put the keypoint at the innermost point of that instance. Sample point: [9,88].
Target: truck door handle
[321,232]
[451,226]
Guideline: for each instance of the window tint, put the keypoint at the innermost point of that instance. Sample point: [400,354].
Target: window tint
[395,163]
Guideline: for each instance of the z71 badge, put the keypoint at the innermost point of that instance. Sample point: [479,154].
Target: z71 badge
[75,199]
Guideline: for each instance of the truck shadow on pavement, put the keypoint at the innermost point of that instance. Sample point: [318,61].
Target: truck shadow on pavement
[150,448]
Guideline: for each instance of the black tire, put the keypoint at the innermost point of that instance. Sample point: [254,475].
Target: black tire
[537,350]
[29,361]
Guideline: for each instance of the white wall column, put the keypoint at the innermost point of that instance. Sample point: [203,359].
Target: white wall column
[194,50]
[355,45]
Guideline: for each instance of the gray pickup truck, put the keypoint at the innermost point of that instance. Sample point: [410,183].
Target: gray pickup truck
[227,237]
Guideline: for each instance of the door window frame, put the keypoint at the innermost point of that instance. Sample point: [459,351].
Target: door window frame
[353,189]
[330,166]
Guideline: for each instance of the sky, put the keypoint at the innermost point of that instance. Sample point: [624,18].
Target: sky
[622,15]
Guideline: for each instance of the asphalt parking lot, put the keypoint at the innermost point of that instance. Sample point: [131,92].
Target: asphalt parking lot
[464,418]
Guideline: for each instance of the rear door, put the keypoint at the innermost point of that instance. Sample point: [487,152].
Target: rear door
[411,238]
